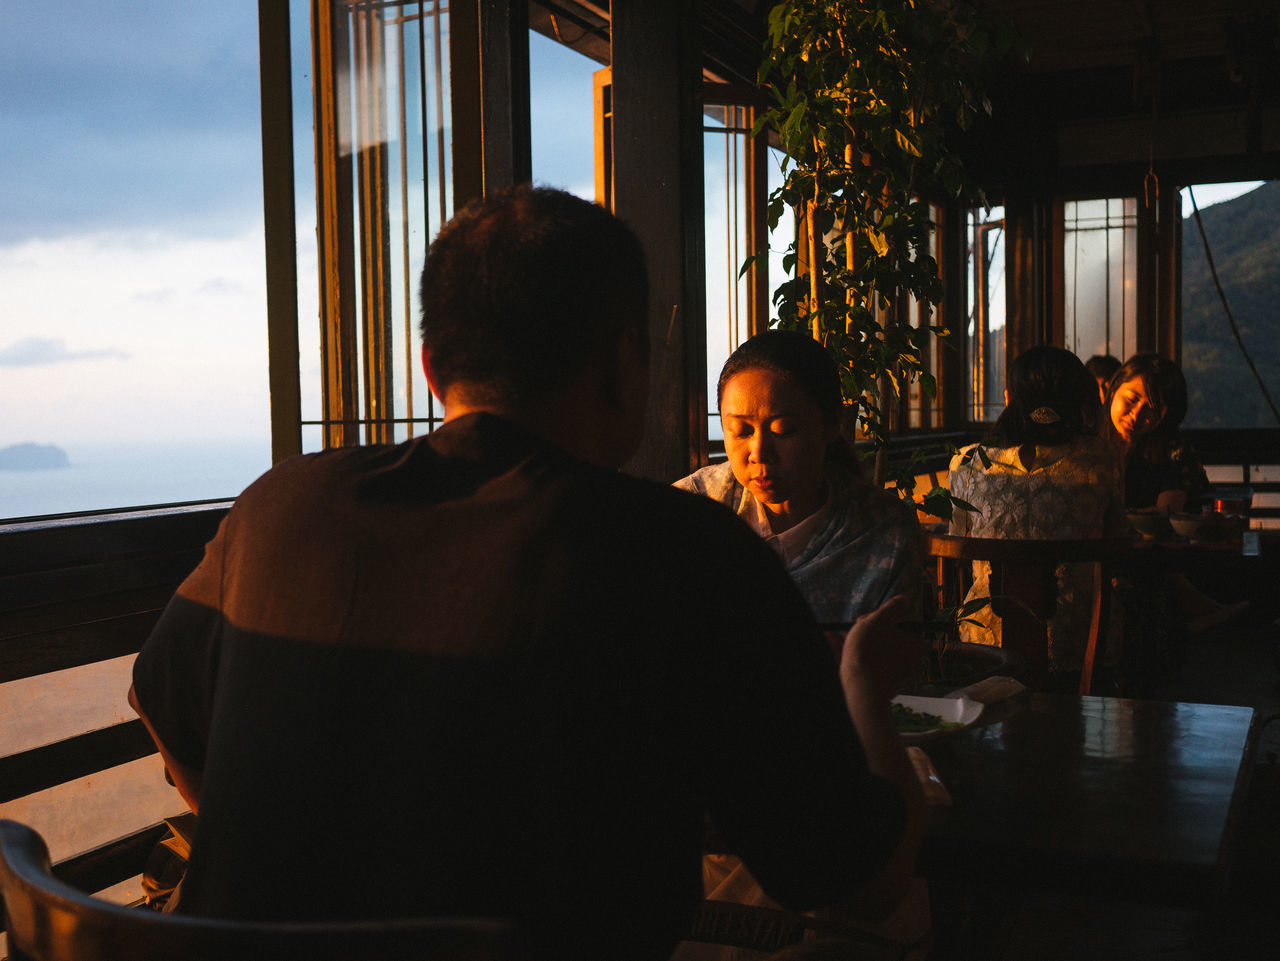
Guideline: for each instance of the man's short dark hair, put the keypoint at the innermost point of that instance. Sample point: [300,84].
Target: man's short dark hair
[522,290]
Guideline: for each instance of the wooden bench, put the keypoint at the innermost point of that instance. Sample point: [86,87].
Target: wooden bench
[78,597]
[1258,485]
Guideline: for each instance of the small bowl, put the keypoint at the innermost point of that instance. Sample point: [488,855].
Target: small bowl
[1189,526]
[1149,522]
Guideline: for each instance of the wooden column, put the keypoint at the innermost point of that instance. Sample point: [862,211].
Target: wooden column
[1148,269]
[1169,266]
[489,96]
[953,313]
[1029,276]
[335,223]
[657,183]
[279,226]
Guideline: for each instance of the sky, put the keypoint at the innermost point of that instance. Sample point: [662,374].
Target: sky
[1209,194]
[131,259]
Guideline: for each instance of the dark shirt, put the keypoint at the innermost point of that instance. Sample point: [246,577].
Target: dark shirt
[1179,470]
[471,674]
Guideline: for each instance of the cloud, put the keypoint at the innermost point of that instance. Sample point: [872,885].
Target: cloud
[117,116]
[42,351]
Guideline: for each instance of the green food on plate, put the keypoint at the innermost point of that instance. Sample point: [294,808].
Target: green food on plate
[914,722]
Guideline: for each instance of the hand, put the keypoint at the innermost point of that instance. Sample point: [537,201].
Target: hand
[880,649]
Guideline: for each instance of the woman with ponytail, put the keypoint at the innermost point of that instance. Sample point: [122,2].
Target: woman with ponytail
[1043,473]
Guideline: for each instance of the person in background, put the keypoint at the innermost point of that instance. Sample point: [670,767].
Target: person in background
[1042,473]
[793,476]
[1103,367]
[447,677]
[1145,404]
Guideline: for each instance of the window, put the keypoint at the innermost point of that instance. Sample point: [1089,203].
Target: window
[923,412]
[561,110]
[133,340]
[1239,222]
[383,177]
[738,176]
[728,204]
[985,343]
[1100,276]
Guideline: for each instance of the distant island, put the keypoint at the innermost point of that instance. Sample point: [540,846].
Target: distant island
[33,457]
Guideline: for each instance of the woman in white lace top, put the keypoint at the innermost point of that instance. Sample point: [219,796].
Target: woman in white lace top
[1043,473]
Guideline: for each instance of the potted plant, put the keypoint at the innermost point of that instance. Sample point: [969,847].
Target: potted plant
[866,95]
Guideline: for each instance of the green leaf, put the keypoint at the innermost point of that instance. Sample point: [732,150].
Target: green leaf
[974,605]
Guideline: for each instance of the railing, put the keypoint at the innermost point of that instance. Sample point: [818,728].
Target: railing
[78,597]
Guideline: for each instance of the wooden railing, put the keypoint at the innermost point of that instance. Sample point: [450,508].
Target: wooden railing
[78,597]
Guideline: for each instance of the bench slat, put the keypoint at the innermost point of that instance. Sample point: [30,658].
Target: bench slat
[46,651]
[87,582]
[76,757]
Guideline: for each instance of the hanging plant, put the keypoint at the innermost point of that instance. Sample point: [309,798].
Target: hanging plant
[865,95]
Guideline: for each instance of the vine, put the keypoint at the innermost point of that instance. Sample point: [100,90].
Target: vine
[866,95]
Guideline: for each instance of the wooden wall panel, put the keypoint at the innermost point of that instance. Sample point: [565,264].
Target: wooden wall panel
[657,158]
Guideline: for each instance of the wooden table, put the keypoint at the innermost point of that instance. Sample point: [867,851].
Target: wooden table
[1120,798]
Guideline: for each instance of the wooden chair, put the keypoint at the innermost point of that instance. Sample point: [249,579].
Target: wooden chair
[48,920]
[764,929]
[1024,590]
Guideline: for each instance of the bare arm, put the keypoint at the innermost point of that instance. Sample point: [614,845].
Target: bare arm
[185,779]
[878,657]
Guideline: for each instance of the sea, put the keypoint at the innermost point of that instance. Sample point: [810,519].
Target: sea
[104,476]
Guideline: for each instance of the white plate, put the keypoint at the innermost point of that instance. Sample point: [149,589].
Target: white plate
[952,710]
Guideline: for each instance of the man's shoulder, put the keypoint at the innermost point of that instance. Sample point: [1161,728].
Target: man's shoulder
[307,474]
[703,508]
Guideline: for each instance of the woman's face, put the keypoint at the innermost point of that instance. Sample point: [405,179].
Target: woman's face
[776,441]
[1132,413]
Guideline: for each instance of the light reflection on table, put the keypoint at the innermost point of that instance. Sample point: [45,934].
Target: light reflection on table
[1136,798]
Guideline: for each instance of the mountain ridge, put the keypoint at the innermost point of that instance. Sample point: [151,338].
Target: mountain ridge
[1244,236]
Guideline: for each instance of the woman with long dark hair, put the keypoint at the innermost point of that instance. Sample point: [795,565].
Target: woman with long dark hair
[1042,473]
[1146,402]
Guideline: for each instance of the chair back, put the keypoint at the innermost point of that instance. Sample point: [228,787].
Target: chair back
[48,920]
[1024,590]
[780,933]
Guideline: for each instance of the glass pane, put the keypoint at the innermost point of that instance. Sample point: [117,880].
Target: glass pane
[560,83]
[985,341]
[784,235]
[133,354]
[1238,223]
[421,195]
[304,205]
[1100,240]
[922,409]
[392,142]
[727,203]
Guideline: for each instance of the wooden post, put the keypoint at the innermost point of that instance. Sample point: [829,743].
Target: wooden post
[489,96]
[658,190]
[279,221]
